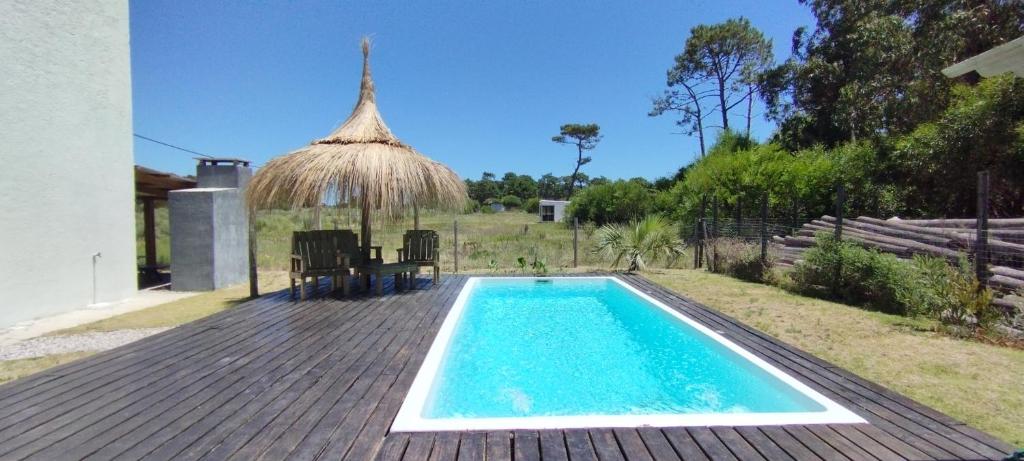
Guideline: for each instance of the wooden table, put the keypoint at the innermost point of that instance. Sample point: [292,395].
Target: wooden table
[399,270]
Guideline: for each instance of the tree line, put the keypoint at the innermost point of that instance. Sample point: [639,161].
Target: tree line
[860,101]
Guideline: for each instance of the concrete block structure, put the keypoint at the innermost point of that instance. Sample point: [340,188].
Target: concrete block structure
[210,229]
[552,210]
[67,234]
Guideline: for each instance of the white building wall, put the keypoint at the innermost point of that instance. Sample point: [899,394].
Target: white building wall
[66,176]
[558,207]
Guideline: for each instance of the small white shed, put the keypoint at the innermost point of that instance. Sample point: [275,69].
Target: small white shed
[552,210]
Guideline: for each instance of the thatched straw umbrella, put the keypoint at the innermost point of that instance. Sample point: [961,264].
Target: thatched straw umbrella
[362,162]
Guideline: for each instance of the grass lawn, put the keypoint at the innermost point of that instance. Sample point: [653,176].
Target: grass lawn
[977,383]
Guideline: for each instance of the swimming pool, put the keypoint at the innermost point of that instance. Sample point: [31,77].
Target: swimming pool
[569,352]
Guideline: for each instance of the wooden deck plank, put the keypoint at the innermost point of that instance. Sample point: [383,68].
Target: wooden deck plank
[499,446]
[333,434]
[181,408]
[656,443]
[325,407]
[58,422]
[710,444]
[35,385]
[102,363]
[271,421]
[274,392]
[420,445]
[379,419]
[71,393]
[605,445]
[683,443]
[866,443]
[255,404]
[552,445]
[273,379]
[789,444]
[736,443]
[472,446]
[631,444]
[526,445]
[764,445]
[446,447]
[577,441]
[840,443]
[814,443]
[393,448]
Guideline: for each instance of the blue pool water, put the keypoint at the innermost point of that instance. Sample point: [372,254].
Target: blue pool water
[591,347]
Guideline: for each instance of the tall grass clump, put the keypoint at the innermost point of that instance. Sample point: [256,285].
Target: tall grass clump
[639,243]
[739,259]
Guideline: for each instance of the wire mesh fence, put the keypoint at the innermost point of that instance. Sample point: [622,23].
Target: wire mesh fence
[505,242]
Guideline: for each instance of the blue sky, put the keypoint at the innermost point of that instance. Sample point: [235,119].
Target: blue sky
[480,86]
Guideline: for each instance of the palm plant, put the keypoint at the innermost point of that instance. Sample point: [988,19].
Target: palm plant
[640,242]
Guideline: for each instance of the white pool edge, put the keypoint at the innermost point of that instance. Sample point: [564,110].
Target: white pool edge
[409,419]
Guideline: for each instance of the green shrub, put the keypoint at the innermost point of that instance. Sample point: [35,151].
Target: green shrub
[865,277]
[614,202]
[738,259]
[924,286]
[511,201]
[952,295]
[531,205]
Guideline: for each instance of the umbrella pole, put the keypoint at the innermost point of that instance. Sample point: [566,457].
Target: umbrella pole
[365,231]
[415,217]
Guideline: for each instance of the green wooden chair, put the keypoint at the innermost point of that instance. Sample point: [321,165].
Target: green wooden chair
[318,254]
[421,248]
[348,242]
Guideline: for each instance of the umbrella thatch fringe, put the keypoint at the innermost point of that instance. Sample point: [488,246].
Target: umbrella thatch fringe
[361,160]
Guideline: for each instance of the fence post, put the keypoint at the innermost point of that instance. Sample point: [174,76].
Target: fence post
[701,227]
[696,243]
[455,246]
[575,240]
[796,216]
[702,230]
[764,229]
[714,216]
[254,289]
[739,217]
[840,199]
[981,230]
[713,265]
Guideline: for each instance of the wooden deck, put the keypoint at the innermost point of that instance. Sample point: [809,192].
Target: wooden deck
[323,379]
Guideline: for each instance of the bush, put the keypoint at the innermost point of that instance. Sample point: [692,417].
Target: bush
[472,206]
[925,286]
[739,259]
[615,202]
[952,295]
[511,201]
[865,277]
[531,205]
